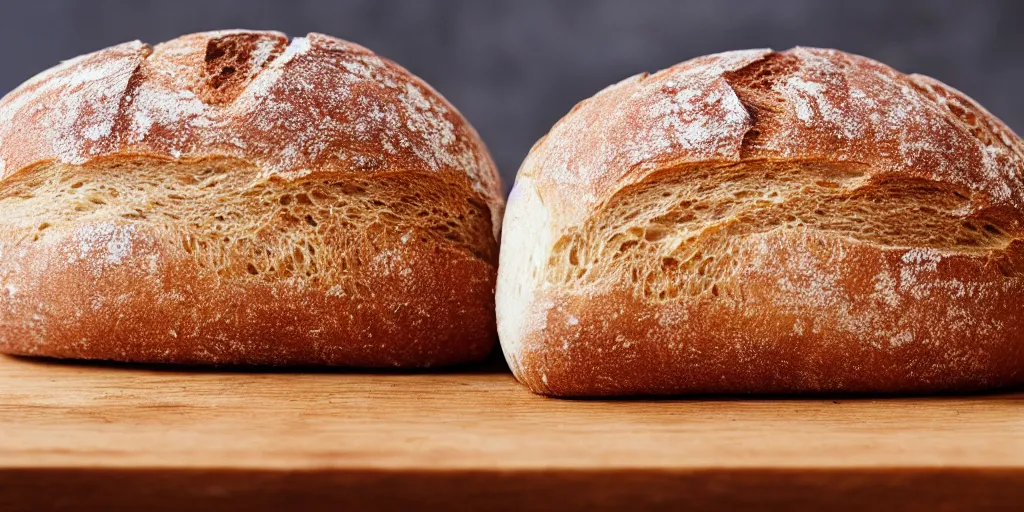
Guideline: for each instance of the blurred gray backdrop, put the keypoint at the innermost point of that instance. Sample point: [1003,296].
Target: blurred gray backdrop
[515,67]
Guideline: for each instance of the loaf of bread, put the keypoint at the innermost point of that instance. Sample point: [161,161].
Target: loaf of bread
[236,198]
[764,222]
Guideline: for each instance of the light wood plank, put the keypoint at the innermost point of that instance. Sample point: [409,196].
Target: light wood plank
[69,421]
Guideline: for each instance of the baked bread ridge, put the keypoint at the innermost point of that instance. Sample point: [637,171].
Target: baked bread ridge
[316,103]
[766,222]
[233,198]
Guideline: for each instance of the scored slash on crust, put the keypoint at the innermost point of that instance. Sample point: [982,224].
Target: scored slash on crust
[315,104]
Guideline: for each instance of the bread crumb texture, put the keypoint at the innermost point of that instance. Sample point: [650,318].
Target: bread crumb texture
[233,197]
[754,221]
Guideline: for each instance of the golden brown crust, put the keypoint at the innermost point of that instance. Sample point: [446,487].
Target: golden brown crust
[132,272]
[762,222]
[315,104]
[155,304]
[953,325]
[805,103]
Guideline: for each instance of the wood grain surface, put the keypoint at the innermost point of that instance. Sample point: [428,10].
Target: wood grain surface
[79,436]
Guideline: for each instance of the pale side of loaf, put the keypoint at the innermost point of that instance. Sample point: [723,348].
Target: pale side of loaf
[763,222]
[235,198]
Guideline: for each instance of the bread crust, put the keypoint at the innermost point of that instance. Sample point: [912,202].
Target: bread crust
[313,112]
[800,301]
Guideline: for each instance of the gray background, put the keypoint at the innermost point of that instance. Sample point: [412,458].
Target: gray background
[514,67]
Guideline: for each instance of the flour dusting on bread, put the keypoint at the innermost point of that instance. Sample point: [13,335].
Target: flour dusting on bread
[234,197]
[763,221]
[133,98]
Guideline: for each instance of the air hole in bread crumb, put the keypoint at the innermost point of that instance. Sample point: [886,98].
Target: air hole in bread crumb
[655,233]
[250,268]
[626,246]
[703,268]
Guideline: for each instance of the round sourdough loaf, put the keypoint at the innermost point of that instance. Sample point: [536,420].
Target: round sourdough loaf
[765,222]
[236,198]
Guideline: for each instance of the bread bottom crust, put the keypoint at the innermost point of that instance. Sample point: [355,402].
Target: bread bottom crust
[131,296]
[811,314]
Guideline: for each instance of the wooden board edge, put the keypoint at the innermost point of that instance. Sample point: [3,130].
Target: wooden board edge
[712,489]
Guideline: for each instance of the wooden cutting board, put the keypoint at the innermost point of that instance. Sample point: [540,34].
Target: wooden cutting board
[105,436]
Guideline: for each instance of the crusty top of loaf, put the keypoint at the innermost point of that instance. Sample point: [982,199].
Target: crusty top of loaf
[316,104]
[801,104]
